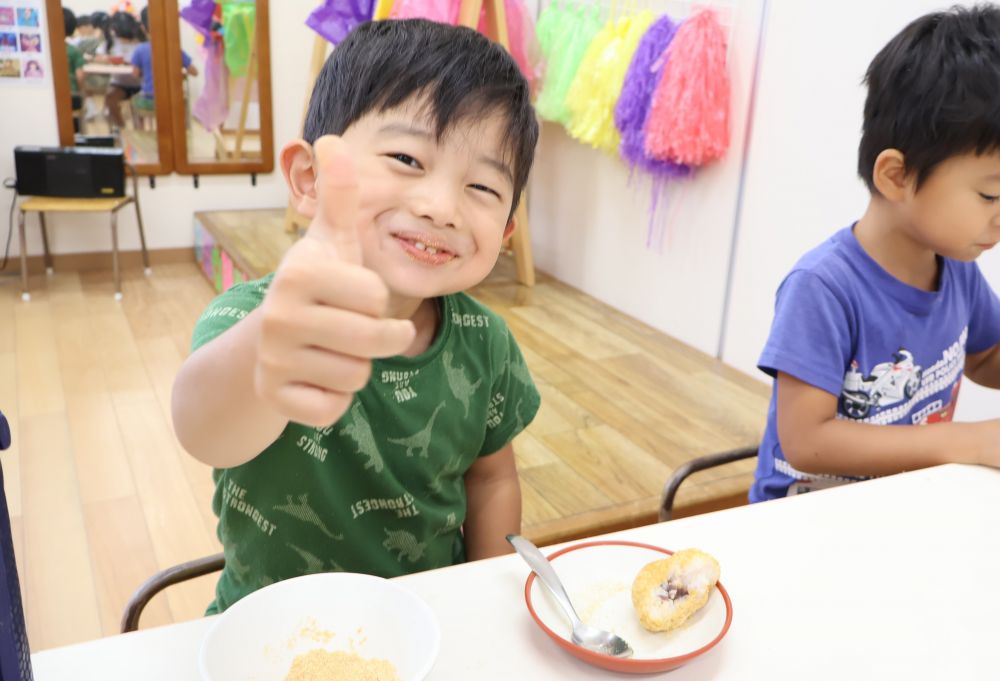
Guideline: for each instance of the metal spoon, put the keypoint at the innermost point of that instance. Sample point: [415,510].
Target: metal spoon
[583,635]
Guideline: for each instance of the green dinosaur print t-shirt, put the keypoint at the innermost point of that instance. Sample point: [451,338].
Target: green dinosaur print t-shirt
[381,491]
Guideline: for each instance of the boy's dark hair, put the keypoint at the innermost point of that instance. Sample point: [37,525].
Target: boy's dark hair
[381,64]
[84,20]
[126,27]
[934,92]
[69,22]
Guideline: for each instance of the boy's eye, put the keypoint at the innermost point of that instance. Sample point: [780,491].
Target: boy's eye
[991,199]
[406,160]
[484,188]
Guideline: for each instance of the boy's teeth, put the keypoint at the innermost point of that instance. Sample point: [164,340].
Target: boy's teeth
[421,246]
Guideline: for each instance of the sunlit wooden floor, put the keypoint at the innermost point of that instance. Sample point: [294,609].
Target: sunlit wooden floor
[101,495]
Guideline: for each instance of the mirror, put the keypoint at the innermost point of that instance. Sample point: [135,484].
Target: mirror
[221,111]
[115,88]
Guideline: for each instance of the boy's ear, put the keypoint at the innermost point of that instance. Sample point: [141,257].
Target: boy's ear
[299,169]
[512,221]
[509,229]
[890,176]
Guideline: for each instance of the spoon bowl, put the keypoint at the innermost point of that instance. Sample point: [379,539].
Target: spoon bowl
[584,635]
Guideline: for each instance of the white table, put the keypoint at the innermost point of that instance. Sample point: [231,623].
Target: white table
[104,69]
[888,579]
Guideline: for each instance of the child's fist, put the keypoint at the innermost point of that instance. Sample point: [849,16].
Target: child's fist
[322,319]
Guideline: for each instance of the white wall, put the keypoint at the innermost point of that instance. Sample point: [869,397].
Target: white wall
[588,226]
[27,117]
[89,6]
[167,210]
[801,183]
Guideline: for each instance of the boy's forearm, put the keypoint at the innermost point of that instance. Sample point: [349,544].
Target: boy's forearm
[218,416]
[839,447]
[494,511]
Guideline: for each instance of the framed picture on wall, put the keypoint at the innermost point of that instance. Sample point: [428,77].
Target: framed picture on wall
[23,43]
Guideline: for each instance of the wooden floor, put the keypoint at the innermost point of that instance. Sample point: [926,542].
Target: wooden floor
[101,495]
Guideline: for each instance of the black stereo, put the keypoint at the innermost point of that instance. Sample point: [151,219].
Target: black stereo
[76,172]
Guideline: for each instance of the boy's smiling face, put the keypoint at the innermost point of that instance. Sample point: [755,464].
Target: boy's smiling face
[433,213]
[956,212]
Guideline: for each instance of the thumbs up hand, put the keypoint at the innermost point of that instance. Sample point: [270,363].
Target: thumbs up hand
[323,319]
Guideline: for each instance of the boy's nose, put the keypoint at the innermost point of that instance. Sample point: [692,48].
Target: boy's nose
[436,203]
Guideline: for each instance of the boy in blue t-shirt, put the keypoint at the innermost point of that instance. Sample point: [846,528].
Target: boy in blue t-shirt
[877,325]
[142,60]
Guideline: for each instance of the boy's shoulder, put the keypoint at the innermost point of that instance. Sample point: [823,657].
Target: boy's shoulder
[829,260]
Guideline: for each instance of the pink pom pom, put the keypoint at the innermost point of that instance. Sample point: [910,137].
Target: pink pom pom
[689,117]
[442,11]
[521,40]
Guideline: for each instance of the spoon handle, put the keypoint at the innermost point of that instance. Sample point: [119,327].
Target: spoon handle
[546,575]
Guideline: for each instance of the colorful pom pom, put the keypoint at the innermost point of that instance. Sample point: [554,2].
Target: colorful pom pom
[632,109]
[572,30]
[688,120]
[594,92]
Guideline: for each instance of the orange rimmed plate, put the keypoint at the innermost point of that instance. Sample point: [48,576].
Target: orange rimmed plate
[598,578]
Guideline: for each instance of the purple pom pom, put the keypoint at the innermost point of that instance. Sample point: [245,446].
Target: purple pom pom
[334,19]
[643,75]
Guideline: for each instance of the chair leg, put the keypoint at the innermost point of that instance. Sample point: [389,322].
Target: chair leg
[25,296]
[114,255]
[45,242]
[142,240]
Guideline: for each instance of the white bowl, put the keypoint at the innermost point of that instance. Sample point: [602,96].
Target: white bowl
[258,637]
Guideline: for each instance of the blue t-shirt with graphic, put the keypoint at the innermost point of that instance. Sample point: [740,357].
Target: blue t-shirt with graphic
[891,353]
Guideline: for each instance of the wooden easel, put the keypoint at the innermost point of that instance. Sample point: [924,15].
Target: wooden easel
[496,29]
[222,145]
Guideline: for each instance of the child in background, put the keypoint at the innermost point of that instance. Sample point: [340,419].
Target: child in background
[142,60]
[125,36]
[357,406]
[75,62]
[877,326]
[87,37]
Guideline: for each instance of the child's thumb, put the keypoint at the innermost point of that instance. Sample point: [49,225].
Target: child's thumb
[336,217]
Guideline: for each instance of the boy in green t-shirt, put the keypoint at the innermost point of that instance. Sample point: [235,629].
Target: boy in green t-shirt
[75,63]
[357,406]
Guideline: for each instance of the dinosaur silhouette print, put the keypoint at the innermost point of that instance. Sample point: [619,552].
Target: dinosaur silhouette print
[446,474]
[405,543]
[421,440]
[519,370]
[519,422]
[237,568]
[313,563]
[302,511]
[450,524]
[360,431]
[460,386]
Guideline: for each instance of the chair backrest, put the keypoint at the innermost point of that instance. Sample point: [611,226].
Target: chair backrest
[15,654]
[4,432]
[161,580]
[693,466]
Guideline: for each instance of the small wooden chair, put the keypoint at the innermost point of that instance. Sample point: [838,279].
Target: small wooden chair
[58,204]
[143,112]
